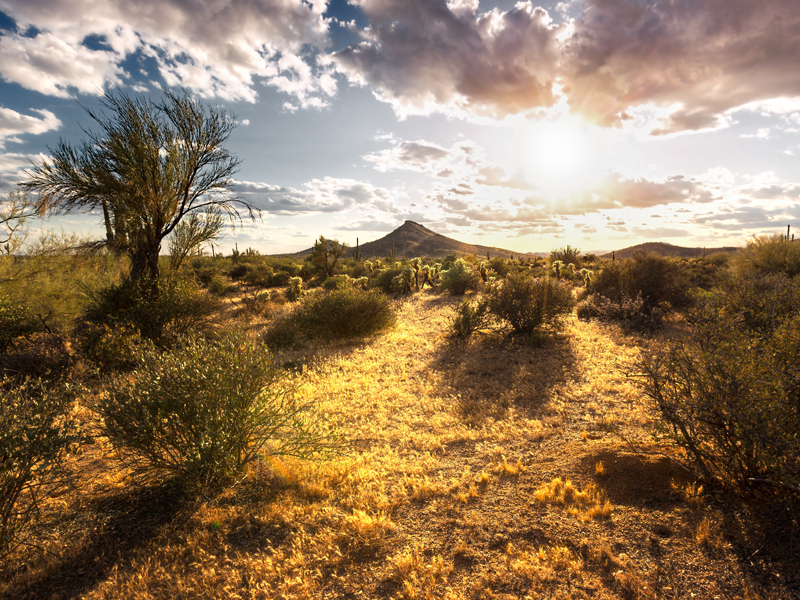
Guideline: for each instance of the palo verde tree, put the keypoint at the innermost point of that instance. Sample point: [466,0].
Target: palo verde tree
[151,167]
[326,252]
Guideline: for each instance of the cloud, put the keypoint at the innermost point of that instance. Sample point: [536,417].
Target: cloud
[413,156]
[14,124]
[433,55]
[699,57]
[217,48]
[328,195]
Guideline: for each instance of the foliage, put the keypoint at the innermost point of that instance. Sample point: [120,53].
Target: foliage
[566,255]
[325,253]
[16,320]
[771,255]
[150,166]
[657,278]
[527,303]
[192,232]
[469,317]
[179,307]
[40,355]
[205,411]
[386,280]
[337,282]
[295,291]
[404,283]
[628,312]
[15,210]
[281,333]
[500,266]
[36,431]
[729,396]
[344,313]
[460,278]
[110,348]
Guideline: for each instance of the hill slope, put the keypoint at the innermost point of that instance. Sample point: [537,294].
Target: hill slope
[665,249]
[412,239]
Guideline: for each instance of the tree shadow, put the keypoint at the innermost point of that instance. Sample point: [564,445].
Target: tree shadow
[122,523]
[491,372]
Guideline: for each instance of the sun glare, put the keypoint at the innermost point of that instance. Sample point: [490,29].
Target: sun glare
[559,157]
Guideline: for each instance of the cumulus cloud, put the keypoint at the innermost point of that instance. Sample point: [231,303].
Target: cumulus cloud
[14,124]
[696,59]
[217,48]
[413,156]
[426,55]
[328,195]
[701,57]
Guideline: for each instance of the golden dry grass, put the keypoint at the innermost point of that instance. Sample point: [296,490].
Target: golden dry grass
[448,490]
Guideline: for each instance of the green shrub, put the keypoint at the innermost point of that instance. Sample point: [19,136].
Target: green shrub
[36,432]
[460,278]
[110,348]
[280,278]
[219,286]
[771,255]
[337,282]
[344,313]
[385,280]
[729,396]
[205,411]
[281,333]
[181,306]
[469,317]
[658,279]
[15,321]
[527,303]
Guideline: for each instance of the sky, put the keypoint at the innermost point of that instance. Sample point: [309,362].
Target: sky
[524,125]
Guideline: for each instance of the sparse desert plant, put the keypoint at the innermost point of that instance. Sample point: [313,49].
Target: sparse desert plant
[344,313]
[203,412]
[768,255]
[41,355]
[566,255]
[295,291]
[469,316]
[528,303]
[661,281]
[404,282]
[460,278]
[728,396]
[179,307]
[36,432]
[628,312]
[16,320]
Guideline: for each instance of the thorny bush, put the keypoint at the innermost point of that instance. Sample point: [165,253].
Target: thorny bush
[206,410]
[528,303]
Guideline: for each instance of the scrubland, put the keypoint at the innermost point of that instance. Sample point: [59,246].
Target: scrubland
[492,466]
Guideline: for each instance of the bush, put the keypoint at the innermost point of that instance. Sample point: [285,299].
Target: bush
[337,282]
[768,256]
[566,255]
[205,411]
[385,280]
[344,313]
[658,279]
[527,303]
[628,312]
[180,307]
[281,333]
[219,286]
[36,431]
[41,355]
[15,321]
[460,278]
[469,317]
[729,397]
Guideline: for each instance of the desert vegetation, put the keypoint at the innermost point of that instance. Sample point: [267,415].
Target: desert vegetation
[270,427]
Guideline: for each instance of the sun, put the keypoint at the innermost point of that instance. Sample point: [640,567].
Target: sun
[559,157]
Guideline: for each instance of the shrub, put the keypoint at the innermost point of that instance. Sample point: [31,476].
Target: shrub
[180,307]
[499,266]
[41,355]
[219,286]
[337,282]
[404,282]
[729,396]
[281,333]
[205,411]
[469,317]
[527,303]
[36,431]
[15,321]
[460,278]
[628,312]
[344,313]
[658,279]
[771,255]
[566,255]
[385,280]
[280,278]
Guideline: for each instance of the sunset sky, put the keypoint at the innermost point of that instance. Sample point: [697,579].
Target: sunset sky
[529,126]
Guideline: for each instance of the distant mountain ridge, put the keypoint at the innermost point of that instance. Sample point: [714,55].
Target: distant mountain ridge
[412,239]
[665,249]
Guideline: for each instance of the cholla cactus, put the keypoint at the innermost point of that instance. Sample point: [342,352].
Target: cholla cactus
[425,272]
[369,266]
[587,277]
[403,282]
[571,267]
[360,283]
[295,291]
[557,265]
[483,271]
[398,265]
[416,264]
